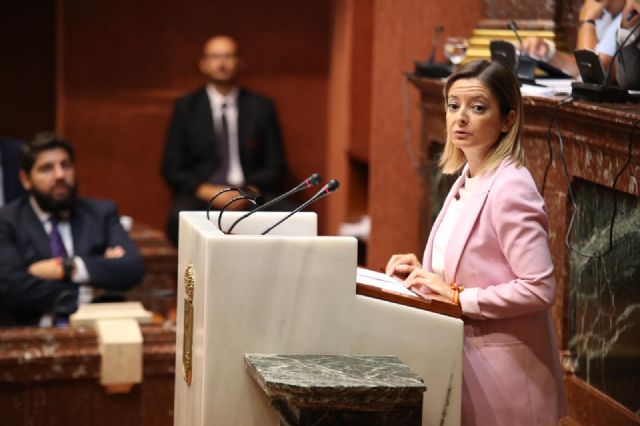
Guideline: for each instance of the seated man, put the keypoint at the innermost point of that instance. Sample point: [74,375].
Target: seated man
[628,61]
[10,187]
[220,135]
[56,248]
[598,22]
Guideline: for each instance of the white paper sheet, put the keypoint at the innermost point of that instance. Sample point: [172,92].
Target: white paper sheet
[383,281]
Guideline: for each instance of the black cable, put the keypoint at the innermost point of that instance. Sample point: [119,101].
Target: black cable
[605,83]
[244,191]
[216,196]
[575,205]
[554,118]
[233,200]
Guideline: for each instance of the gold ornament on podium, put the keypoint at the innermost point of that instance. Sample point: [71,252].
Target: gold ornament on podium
[187,347]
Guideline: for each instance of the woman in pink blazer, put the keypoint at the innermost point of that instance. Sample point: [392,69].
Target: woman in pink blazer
[488,251]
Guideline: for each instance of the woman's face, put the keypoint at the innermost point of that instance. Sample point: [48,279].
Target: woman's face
[474,122]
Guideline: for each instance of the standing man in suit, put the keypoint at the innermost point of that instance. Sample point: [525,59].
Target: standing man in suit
[10,187]
[220,135]
[55,247]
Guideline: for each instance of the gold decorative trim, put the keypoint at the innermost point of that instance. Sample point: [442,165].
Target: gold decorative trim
[187,343]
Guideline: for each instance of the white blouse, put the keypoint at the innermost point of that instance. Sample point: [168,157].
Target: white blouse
[448,224]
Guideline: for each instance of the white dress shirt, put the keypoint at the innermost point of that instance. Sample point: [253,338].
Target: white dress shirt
[445,232]
[623,33]
[447,227]
[606,28]
[235,175]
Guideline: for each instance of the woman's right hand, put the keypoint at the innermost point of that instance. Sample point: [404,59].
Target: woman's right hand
[402,265]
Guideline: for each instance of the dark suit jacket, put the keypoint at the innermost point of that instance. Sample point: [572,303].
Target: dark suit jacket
[10,156]
[628,66]
[191,155]
[23,240]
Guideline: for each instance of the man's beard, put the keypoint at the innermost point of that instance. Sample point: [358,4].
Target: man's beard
[51,205]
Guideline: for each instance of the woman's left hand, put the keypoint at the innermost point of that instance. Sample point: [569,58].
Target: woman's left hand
[425,282]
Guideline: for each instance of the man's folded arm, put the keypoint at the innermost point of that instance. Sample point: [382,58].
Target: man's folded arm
[115,273]
[19,289]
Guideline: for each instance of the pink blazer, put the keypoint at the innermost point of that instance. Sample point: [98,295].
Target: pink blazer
[500,253]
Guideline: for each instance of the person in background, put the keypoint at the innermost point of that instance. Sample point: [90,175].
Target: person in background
[488,252]
[598,23]
[57,249]
[628,61]
[10,186]
[219,136]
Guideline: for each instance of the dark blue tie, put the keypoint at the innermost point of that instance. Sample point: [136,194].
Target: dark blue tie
[55,240]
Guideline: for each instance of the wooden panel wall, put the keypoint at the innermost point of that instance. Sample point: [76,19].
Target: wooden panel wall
[123,63]
[349,109]
[27,68]
[402,33]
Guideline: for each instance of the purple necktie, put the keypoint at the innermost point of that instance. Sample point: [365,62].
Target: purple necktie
[55,240]
[222,142]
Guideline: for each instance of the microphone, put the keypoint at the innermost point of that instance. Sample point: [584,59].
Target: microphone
[430,69]
[244,192]
[330,187]
[312,180]
[434,43]
[525,65]
[513,27]
[604,92]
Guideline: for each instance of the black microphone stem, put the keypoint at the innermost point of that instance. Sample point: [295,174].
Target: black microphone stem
[328,189]
[434,43]
[513,27]
[618,51]
[312,180]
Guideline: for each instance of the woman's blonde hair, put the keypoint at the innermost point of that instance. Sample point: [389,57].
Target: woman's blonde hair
[502,83]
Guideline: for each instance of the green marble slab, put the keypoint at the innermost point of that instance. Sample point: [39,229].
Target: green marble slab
[337,381]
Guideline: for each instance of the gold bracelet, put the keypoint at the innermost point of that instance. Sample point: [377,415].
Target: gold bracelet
[457,289]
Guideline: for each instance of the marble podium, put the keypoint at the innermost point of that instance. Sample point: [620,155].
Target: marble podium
[291,292]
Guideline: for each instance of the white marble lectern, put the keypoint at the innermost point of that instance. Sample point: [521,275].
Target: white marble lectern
[290,293]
